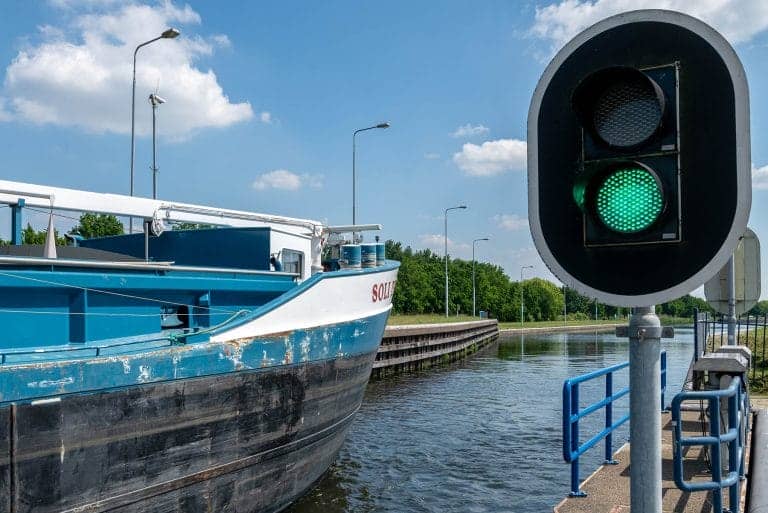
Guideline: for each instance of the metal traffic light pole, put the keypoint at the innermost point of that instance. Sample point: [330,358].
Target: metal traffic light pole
[610,125]
[645,427]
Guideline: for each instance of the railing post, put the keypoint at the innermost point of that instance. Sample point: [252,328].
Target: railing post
[575,492]
[717,469]
[734,451]
[695,334]
[609,421]
[663,379]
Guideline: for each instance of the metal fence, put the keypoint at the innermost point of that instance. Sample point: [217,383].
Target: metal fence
[711,332]
[572,413]
[733,436]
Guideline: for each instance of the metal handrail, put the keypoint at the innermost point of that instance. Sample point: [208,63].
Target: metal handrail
[572,450]
[733,436]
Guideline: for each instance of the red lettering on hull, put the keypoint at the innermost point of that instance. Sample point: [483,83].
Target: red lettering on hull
[382,291]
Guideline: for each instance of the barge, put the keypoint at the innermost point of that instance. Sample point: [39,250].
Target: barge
[204,370]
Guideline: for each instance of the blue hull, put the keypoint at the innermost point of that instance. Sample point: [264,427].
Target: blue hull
[249,434]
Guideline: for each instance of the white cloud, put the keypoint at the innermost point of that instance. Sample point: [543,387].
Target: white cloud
[470,131]
[286,180]
[79,74]
[492,157]
[4,114]
[737,20]
[510,222]
[436,243]
[760,177]
[266,117]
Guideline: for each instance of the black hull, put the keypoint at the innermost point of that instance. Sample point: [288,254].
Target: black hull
[251,441]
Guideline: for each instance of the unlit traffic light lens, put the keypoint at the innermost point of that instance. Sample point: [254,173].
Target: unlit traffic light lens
[627,113]
[629,200]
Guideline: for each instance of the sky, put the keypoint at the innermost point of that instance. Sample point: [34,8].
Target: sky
[262,99]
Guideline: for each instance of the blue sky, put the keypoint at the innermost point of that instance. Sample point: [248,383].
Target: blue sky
[263,98]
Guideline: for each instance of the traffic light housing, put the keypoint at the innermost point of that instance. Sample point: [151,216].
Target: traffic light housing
[638,158]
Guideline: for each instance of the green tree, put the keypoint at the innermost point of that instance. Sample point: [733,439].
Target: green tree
[98,225]
[543,300]
[761,308]
[31,236]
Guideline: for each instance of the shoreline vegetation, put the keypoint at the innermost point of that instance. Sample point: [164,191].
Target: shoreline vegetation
[420,291]
[402,319]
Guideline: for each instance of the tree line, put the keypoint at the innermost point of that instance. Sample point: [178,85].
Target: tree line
[421,290]
[421,281]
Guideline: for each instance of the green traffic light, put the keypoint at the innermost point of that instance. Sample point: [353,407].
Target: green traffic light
[629,200]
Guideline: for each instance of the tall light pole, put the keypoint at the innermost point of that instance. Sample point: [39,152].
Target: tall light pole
[565,306]
[354,174]
[473,273]
[154,100]
[522,296]
[171,33]
[446,254]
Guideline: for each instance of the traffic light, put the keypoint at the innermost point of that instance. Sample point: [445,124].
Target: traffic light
[627,184]
[639,159]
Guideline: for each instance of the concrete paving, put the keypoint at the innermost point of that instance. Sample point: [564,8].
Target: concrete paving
[608,488]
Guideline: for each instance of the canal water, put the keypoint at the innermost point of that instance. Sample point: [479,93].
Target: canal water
[480,436]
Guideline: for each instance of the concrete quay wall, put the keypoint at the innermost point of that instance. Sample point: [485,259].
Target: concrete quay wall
[418,346]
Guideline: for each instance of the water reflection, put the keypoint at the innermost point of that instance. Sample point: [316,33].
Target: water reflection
[481,435]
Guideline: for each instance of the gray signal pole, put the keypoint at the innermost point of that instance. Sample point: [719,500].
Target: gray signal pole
[644,411]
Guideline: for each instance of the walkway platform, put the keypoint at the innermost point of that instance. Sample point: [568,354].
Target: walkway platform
[608,488]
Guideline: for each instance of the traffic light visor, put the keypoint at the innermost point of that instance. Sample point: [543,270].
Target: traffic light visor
[621,106]
[629,199]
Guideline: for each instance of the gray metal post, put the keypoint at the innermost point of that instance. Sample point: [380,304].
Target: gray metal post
[154,148]
[731,302]
[645,416]
[565,306]
[446,253]
[446,262]
[473,279]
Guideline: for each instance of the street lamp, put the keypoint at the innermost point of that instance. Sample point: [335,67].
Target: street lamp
[446,254]
[354,175]
[565,306]
[473,273]
[155,100]
[171,33]
[522,297]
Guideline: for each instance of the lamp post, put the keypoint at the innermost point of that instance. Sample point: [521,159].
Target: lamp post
[446,254]
[522,296]
[473,273]
[565,306]
[154,100]
[171,33]
[354,174]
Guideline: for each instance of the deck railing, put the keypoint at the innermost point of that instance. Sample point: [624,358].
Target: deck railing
[733,436]
[572,414]
[711,332]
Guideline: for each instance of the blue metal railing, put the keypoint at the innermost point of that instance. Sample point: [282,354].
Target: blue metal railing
[733,436]
[572,450]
